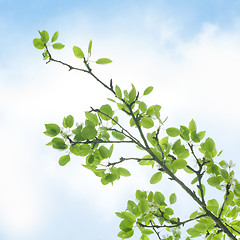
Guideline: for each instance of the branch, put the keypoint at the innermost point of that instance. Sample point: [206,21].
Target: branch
[225,199]
[157,233]
[157,140]
[173,223]
[127,134]
[191,148]
[233,228]
[124,159]
[96,141]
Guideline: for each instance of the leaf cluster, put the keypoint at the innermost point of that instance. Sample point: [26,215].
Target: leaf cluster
[168,150]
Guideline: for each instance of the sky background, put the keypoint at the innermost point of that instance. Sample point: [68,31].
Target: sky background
[188,50]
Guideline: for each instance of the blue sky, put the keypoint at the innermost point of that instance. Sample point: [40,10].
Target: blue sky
[188,50]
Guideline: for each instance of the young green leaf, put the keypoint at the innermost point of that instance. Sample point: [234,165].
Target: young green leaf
[38,43]
[90,47]
[107,112]
[209,145]
[173,132]
[147,122]
[133,208]
[78,52]
[118,135]
[82,150]
[104,152]
[179,163]
[172,198]
[124,235]
[148,90]
[103,61]
[192,126]
[143,205]
[118,92]
[58,46]
[64,160]
[124,172]
[59,143]
[156,178]
[89,132]
[127,216]
[184,133]
[52,130]
[159,198]
[214,181]
[44,36]
[68,121]
[126,225]
[55,37]
[92,117]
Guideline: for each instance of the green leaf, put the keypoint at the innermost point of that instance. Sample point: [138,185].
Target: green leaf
[154,111]
[209,145]
[38,43]
[172,198]
[108,178]
[92,117]
[192,126]
[201,227]
[118,92]
[58,46]
[126,225]
[127,216]
[59,143]
[144,237]
[184,133]
[146,231]
[44,36]
[214,181]
[89,132]
[195,137]
[147,122]
[132,94]
[133,208]
[104,152]
[159,198]
[64,160]
[103,61]
[194,215]
[148,90]
[107,112]
[124,235]
[124,172]
[179,163]
[193,232]
[52,130]
[82,150]
[156,178]
[142,106]
[212,205]
[143,205]
[118,135]
[224,173]
[140,194]
[78,52]
[90,47]
[173,132]
[169,211]
[68,121]
[55,37]
[201,134]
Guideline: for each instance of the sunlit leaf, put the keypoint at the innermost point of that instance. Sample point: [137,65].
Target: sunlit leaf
[78,52]
[103,61]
